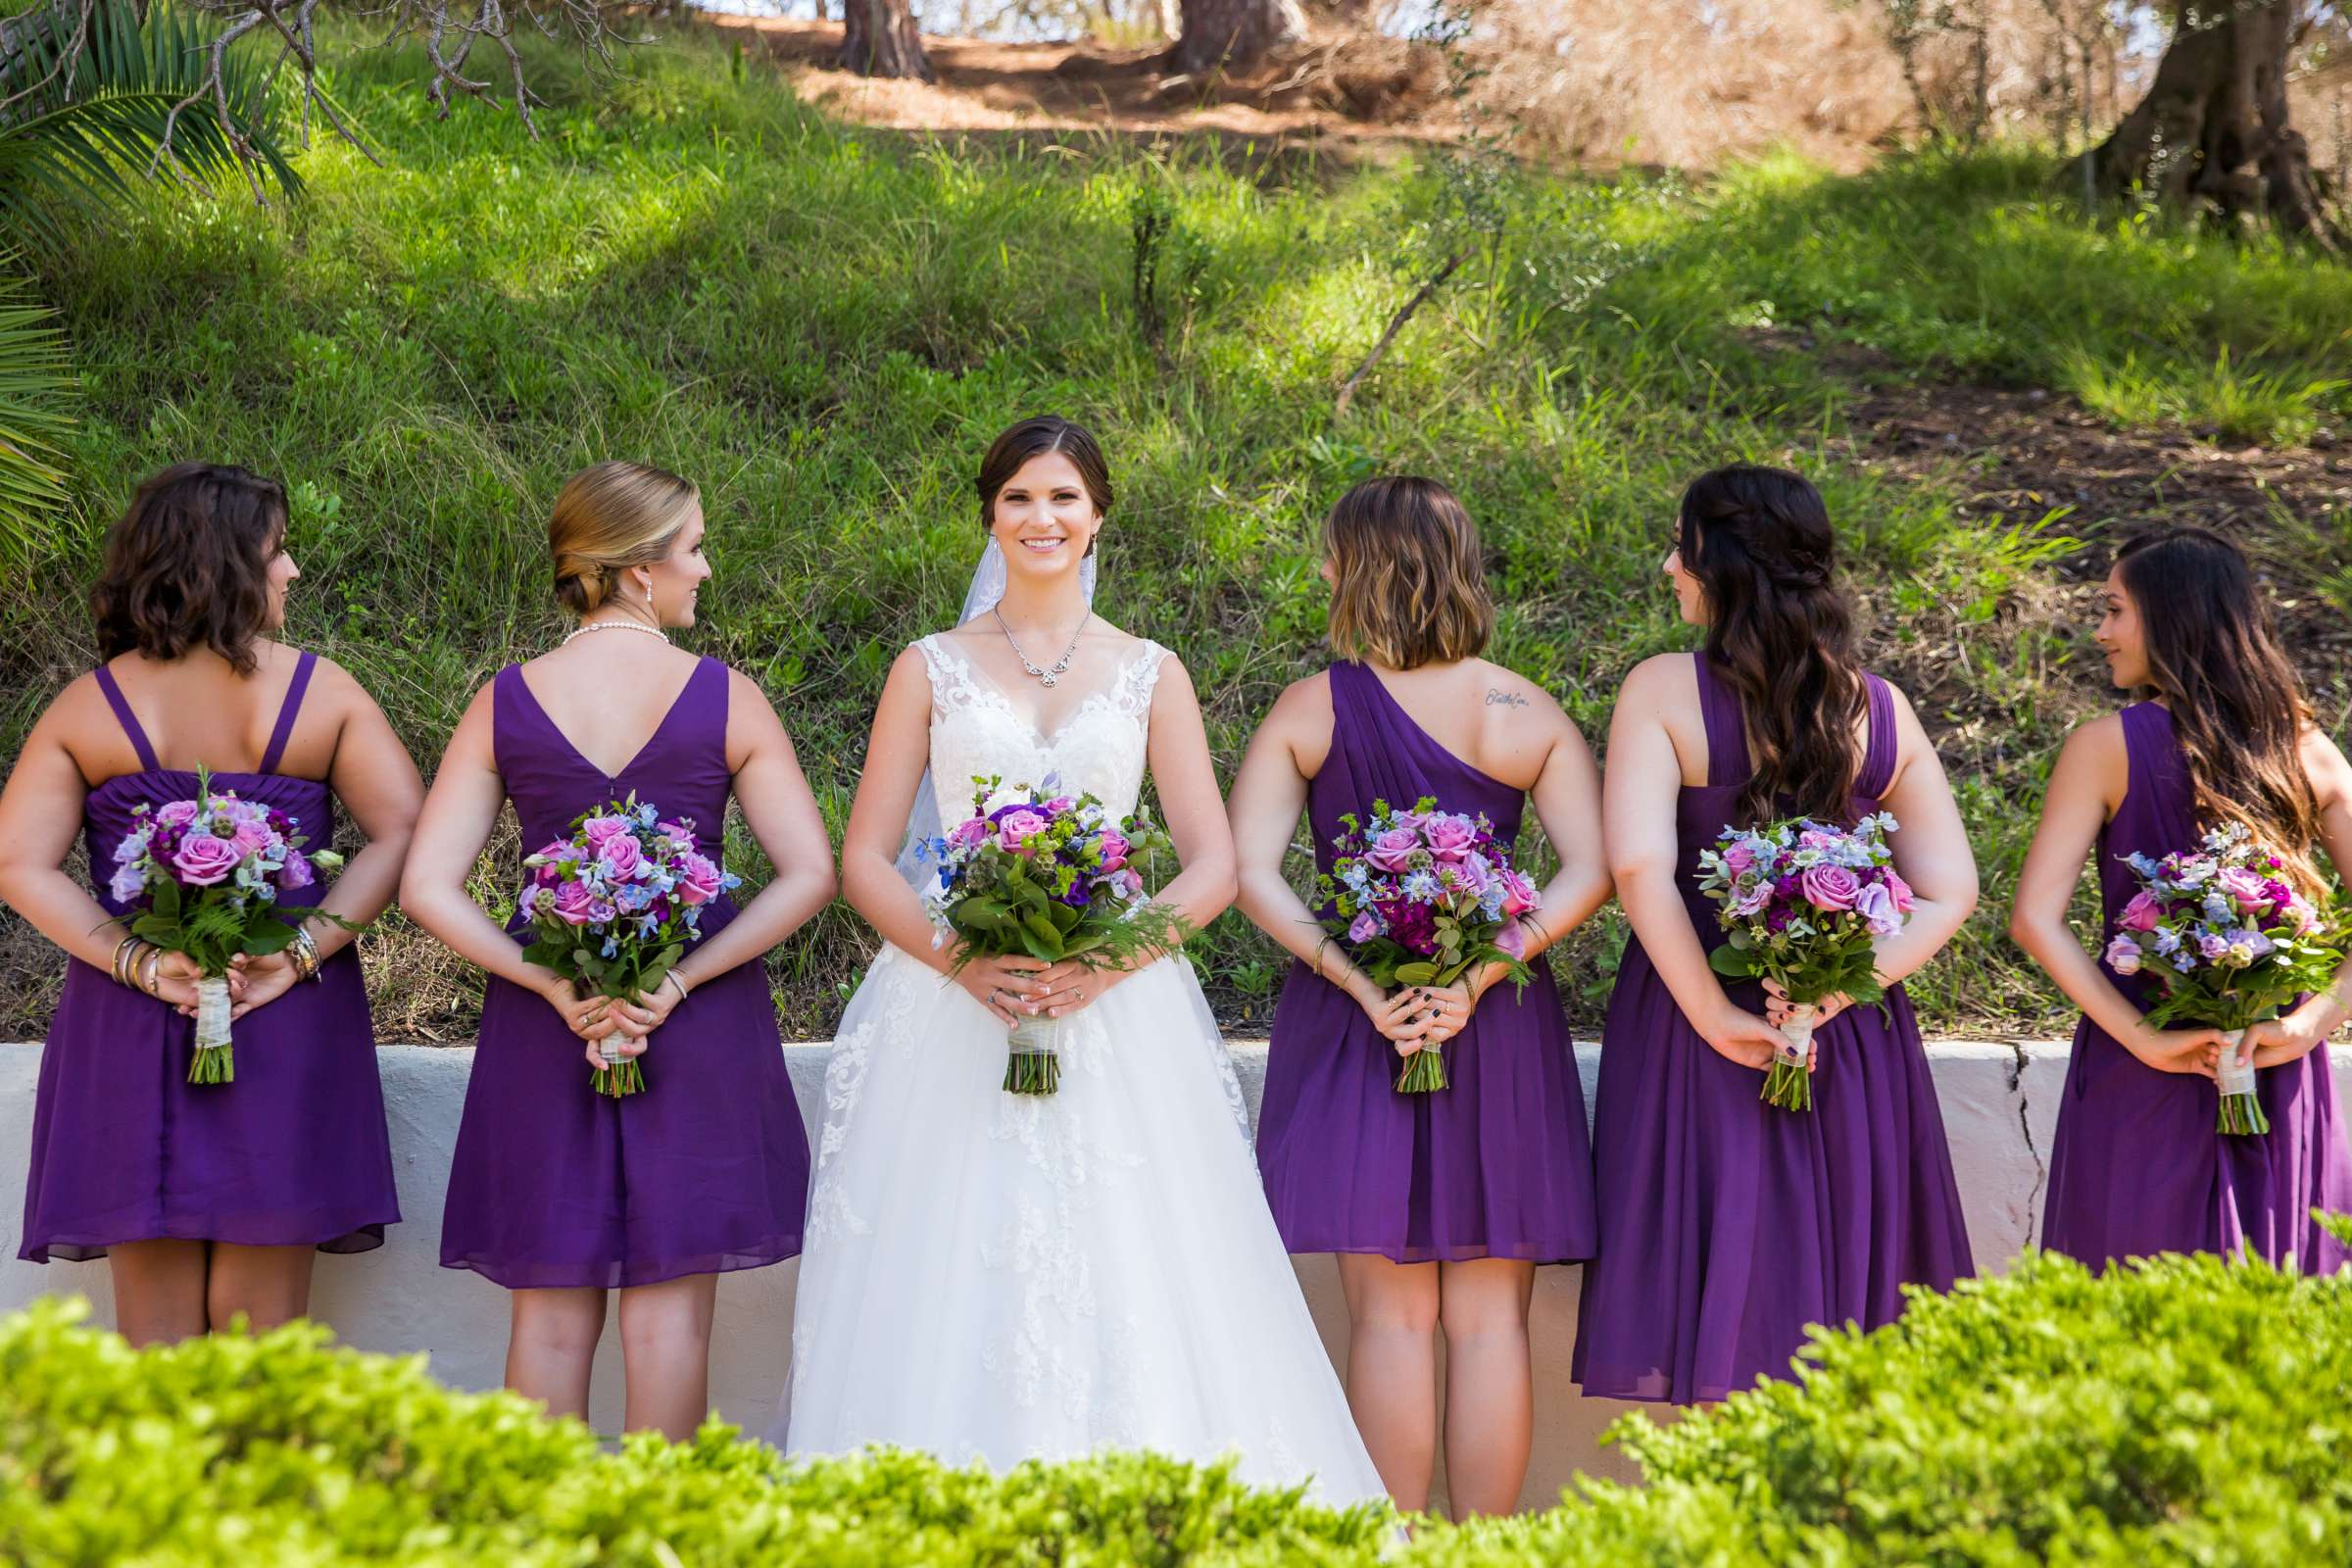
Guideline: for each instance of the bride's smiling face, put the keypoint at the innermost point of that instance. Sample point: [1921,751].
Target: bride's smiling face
[1044,520]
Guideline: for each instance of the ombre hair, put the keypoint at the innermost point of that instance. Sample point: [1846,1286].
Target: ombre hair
[187,565]
[1779,633]
[1408,581]
[611,517]
[2237,706]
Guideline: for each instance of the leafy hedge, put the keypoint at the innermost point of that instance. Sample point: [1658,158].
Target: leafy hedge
[2185,1410]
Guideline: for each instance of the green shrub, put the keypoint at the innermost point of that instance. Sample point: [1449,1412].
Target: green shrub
[2185,1410]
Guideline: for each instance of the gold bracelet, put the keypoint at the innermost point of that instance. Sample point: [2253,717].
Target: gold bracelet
[303,954]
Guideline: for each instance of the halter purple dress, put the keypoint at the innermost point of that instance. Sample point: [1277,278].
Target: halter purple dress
[707,1168]
[124,1149]
[2137,1167]
[1497,1165]
[1728,1225]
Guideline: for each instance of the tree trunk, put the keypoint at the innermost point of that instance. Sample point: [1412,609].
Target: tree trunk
[1234,35]
[2213,126]
[879,39]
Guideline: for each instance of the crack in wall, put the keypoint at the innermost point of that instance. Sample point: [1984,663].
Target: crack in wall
[2025,1127]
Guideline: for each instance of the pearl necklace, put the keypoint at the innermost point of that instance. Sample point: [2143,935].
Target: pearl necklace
[1061,666]
[587,626]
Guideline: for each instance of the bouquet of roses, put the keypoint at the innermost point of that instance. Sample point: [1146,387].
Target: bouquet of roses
[1050,875]
[209,879]
[1420,898]
[1804,904]
[2232,945]
[612,905]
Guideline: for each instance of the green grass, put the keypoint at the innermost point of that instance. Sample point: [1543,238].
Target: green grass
[824,327]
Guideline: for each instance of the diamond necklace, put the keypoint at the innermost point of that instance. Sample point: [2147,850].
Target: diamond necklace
[1061,666]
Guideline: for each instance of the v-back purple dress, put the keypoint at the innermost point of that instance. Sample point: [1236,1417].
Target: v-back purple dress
[2137,1167]
[1728,1225]
[1497,1165]
[124,1149]
[705,1171]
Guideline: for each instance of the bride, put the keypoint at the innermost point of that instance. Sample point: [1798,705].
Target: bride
[1004,1277]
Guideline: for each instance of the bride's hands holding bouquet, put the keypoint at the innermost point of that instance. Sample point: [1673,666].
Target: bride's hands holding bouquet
[1006,984]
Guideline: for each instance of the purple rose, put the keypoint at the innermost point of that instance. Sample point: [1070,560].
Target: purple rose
[1018,824]
[698,878]
[572,901]
[679,833]
[1059,806]
[602,911]
[177,814]
[1392,850]
[968,833]
[1875,906]
[296,872]
[1365,927]
[1830,887]
[2212,945]
[2142,914]
[601,830]
[623,858]
[1751,900]
[1112,846]
[1519,895]
[252,837]
[2248,891]
[1814,838]
[1450,838]
[2123,955]
[1474,875]
[1739,859]
[203,860]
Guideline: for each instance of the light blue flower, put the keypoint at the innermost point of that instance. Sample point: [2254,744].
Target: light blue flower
[612,946]
[1421,887]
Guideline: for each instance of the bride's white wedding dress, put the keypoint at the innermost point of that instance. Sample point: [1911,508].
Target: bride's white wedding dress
[1007,1277]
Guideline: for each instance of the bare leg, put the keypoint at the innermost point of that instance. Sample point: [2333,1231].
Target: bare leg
[159,1289]
[1489,1382]
[665,1350]
[269,1285]
[552,1345]
[1393,1369]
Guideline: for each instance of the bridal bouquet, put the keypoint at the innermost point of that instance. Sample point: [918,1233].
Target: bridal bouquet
[1050,875]
[1420,898]
[209,879]
[1804,904]
[2232,944]
[612,905]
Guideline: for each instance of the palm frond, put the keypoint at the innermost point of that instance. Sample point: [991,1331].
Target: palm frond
[37,386]
[95,94]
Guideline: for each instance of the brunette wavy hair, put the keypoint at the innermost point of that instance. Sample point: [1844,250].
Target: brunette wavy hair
[2237,706]
[1780,633]
[187,565]
[1408,581]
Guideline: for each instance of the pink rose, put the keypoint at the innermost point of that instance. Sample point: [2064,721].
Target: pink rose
[203,860]
[252,837]
[178,813]
[2249,892]
[1393,849]
[623,858]
[1059,806]
[600,830]
[698,878]
[679,834]
[1474,875]
[1875,906]
[968,833]
[572,900]
[2142,914]
[1830,887]
[1898,890]
[1519,896]
[1739,859]
[1448,838]
[2124,954]
[1016,826]
[1113,847]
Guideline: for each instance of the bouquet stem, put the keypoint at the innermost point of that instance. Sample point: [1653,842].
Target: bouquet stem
[214,1061]
[1031,1066]
[620,1075]
[1786,1083]
[1423,1074]
[2241,1106]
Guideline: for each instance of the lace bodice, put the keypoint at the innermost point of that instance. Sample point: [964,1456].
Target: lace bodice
[977,733]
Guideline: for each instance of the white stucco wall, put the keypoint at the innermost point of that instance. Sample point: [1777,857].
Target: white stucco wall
[2000,1105]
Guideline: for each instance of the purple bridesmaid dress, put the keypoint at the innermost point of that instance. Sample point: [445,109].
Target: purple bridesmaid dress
[706,1169]
[1497,1165]
[124,1149]
[1728,1225]
[2137,1167]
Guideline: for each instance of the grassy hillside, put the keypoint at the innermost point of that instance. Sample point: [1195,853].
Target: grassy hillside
[824,325]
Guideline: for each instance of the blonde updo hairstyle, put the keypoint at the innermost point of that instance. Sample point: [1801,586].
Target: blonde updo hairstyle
[611,517]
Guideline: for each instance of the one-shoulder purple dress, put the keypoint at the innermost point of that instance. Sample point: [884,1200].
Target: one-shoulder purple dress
[1728,1225]
[2137,1167]
[706,1169]
[124,1149]
[1496,1165]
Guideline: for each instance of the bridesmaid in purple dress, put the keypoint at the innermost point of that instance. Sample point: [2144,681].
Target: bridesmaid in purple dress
[1440,1205]
[556,1193]
[206,1200]
[1728,1225]
[2225,736]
